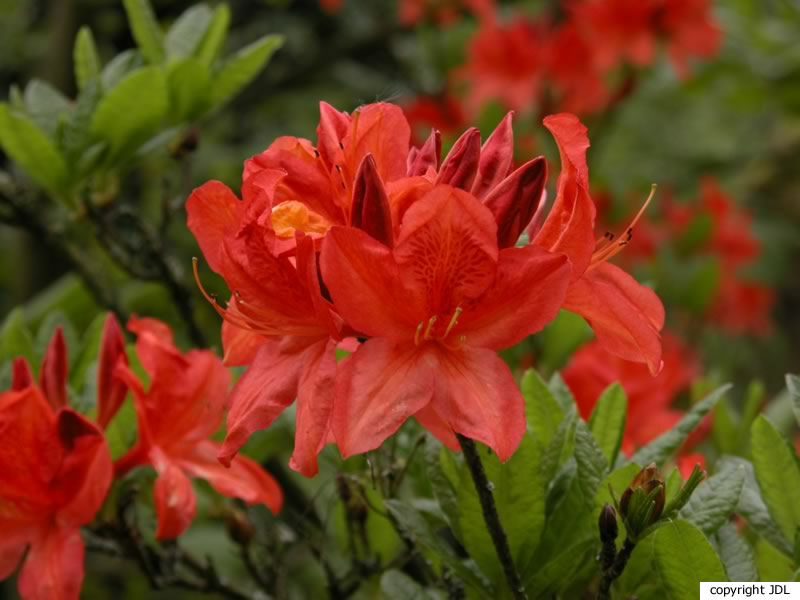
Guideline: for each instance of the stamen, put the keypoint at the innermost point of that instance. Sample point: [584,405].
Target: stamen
[612,249]
[453,321]
[431,323]
[416,335]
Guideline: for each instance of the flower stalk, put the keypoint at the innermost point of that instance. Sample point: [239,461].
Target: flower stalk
[491,518]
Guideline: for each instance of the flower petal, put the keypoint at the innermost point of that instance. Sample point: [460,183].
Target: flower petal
[244,478]
[331,130]
[263,392]
[365,285]
[314,405]
[447,249]
[53,568]
[514,200]
[174,497]
[461,164]
[240,345]
[13,543]
[21,374]
[477,395]
[111,391]
[53,377]
[427,157]
[377,389]
[370,207]
[86,471]
[530,287]
[625,315]
[380,129]
[569,226]
[438,426]
[212,213]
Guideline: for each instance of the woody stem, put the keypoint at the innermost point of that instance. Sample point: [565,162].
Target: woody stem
[490,516]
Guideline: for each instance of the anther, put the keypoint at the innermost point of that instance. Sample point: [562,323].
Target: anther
[453,320]
[429,328]
[416,335]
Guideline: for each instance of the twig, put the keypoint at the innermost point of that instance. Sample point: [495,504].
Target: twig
[610,574]
[490,516]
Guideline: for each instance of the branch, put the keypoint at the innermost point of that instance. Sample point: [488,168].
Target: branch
[491,518]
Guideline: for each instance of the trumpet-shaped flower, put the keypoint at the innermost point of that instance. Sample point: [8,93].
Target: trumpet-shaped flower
[625,315]
[176,414]
[56,471]
[437,306]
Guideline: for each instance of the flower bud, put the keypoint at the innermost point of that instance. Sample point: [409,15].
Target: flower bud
[607,523]
[239,527]
[647,480]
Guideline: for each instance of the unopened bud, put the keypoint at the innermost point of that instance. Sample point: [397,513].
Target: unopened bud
[607,523]
[642,502]
[239,527]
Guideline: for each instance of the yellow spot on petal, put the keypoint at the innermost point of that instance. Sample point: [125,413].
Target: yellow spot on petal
[291,216]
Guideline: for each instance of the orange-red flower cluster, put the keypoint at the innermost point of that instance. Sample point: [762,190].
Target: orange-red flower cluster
[56,466]
[363,239]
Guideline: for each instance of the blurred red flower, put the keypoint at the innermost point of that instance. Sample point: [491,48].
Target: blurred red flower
[177,413]
[650,399]
[56,471]
[690,30]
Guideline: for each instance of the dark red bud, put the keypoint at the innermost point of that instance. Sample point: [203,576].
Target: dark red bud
[514,201]
[497,155]
[53,378]
[111,390]
[429,155]
[607,523]
[21,375]
[370,209]
[461,164]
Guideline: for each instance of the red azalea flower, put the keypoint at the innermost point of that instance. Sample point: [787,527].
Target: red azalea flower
[505,62]
[742,306]
[650,414]
[625,315]
[443,114]
[690,30]
[56,471]
[182,407]
[617,30]
[278,320]
[732,236]
[331,6]
[579,84]
[437,307]
[444,12]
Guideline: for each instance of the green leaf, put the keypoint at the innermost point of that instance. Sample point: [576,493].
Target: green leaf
[713,502]
[215,36]
[242,68]
[46,106]
[672,484]
[130,112]
[411,522]
[519,494]
[189,82]
[442,486]
[793,385]
[778,475]
[607,422]
[541,410]
[85,57]
[771,564]
[119,66]
[121,431]
[660,449]
[684,558]
[561,338]
[724,430]
[546,580]
[146,30]
[16,339]
[76,129]
[561,392]
[187,31]
[592,465]
[396,585]
[29,146]
[89,349]
[560,446]
[736,554]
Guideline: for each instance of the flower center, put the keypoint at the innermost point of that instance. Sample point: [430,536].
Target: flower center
[427,330]
[291,216]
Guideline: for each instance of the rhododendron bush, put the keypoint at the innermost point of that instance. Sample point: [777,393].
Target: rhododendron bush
[398,299]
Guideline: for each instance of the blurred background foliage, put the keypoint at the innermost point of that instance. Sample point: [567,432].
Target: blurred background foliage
[735,119]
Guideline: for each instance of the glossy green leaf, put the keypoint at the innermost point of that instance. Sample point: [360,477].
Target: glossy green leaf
[46,106]
[16,339]
[778,475]
[187,31]
[119,66]
[660,449]
[76,129]
[561,393]
[771,564]
[518,491]
[592,465]
[146,30]
[130,112]
[541,410]
[29,146]
[85,57]
[715,500]
[189,83]
[684,558]
[736,554]
[215,36]
[242,68]
[607,421]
